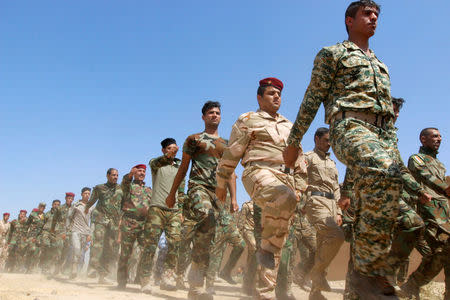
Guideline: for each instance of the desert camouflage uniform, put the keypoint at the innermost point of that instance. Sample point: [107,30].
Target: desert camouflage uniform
[246,225]
[135,203]
[162,219]
[17,239]
[205,151]
[35,223]
[355,88]
[105,217]
[51,244]
[259,140]
[430,172]
[4,230]
[226,233]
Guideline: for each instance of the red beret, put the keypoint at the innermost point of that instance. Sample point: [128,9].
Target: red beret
[141,166]
[6,214]
[271,81]
[23,210]
[70,194]
[35,209]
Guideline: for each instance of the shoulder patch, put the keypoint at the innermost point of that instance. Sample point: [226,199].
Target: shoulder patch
[418,160]
[245,116]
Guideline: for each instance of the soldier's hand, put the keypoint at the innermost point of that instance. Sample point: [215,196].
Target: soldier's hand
[86,210]
[118,240]
[221,194]
[290,155]
[339,220]
[424,198]
[133,171]
[344,202]
[170,200]
[63,236]
[234,207]
[88,239]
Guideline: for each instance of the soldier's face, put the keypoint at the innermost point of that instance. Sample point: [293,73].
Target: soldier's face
[69,200]
[396,112]
[271,100]
[41,208]
[56,204]
[364,23]
[212,117]
[22,215]
[172,148]
[323,143]
[6,218]
[140,174]
[85,196]
[113,176]
[432,140]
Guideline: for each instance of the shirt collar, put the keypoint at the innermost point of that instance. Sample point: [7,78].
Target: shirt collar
[350,45]
[428,151]
[139,182]
[321,153]
[266,115]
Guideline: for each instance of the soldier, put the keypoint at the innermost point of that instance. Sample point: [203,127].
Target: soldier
[35,223]
[184,253]
[51,244]
[17,238]
[105,217]
[80,232]
[246,225]
[226,232]
[430,172]
[354,86]
[64,235]
[259,138]
[204,149]
[4,230]
[135,202]
[162,218]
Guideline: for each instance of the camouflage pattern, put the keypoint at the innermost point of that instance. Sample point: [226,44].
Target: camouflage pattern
[50,242]
[430,172]
[63,233]
[259,140]
[226,232]
[35,223]
[105,217]
[4,230]
[17,238]
[161,220]
[322,211]
[135,204]
[184,253]
[205,150]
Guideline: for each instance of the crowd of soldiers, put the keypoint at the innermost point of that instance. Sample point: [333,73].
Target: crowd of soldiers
[384,208]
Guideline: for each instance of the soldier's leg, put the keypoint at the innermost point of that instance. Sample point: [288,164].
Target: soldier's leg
[129,231]
[307,246]
[284,282]
[234,238]
[184,252]
[249,280]
[216,253]
[77,244]
[367,151]
[203,212]
[152,233]
[172,230]
[98,248]
[46,243]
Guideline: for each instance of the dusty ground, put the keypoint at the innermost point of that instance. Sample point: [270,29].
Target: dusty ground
[38,287]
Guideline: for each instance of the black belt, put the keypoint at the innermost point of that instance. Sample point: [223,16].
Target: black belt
[322,194]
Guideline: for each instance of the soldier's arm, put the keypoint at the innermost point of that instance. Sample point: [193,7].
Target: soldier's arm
[239,140]
[160,161]
[300,177]
[337,190]
[321,81]
[94,197]
[181,194]
[69,219]
[126,185]
[179,177]
[232,188]
[11,231]
[421,172]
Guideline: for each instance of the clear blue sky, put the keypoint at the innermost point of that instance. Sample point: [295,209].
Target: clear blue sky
[88,85]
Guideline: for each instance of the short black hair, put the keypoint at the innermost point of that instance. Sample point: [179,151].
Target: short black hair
[56,200]
[85,189]
[110,171]
[261,90]
[426,132]
[321,131]
[210,104]
[352,9]
[398,102]
[167,142]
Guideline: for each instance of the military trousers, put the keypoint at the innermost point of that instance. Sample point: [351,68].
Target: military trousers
[184,252]
[104,249]
[161,220]
[131,230]
[16,255]
[369,154]
[321,213]
[51,249]
[32,253]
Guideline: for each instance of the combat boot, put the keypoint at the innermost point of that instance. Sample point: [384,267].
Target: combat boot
[368,287]
[316,295]
[265,259]
[102,280]
[285,295]
[198,294]
[147,288]
[410,289]
[181,284]
[168,282]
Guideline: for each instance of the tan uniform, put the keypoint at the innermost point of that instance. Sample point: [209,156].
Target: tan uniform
[4,230]
[321,210]
[259,140]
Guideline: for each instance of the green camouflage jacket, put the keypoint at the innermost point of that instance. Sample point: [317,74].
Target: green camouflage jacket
[109,197]
[136,198]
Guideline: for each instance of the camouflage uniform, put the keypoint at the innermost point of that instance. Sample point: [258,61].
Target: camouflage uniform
[135,203]
[162,219]
[4,230]
[35,223]
[51,244]
[259,140]
[63,234]
[355,90]
[105,217]
[205,151]
[185,250]
[17,238]
[226,232]
[430,172]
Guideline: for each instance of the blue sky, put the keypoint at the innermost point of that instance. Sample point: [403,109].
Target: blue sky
[88,85]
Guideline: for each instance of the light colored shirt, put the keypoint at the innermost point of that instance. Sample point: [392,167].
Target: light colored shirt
[77,220]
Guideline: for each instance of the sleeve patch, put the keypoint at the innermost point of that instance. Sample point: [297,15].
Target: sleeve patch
[418,160]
